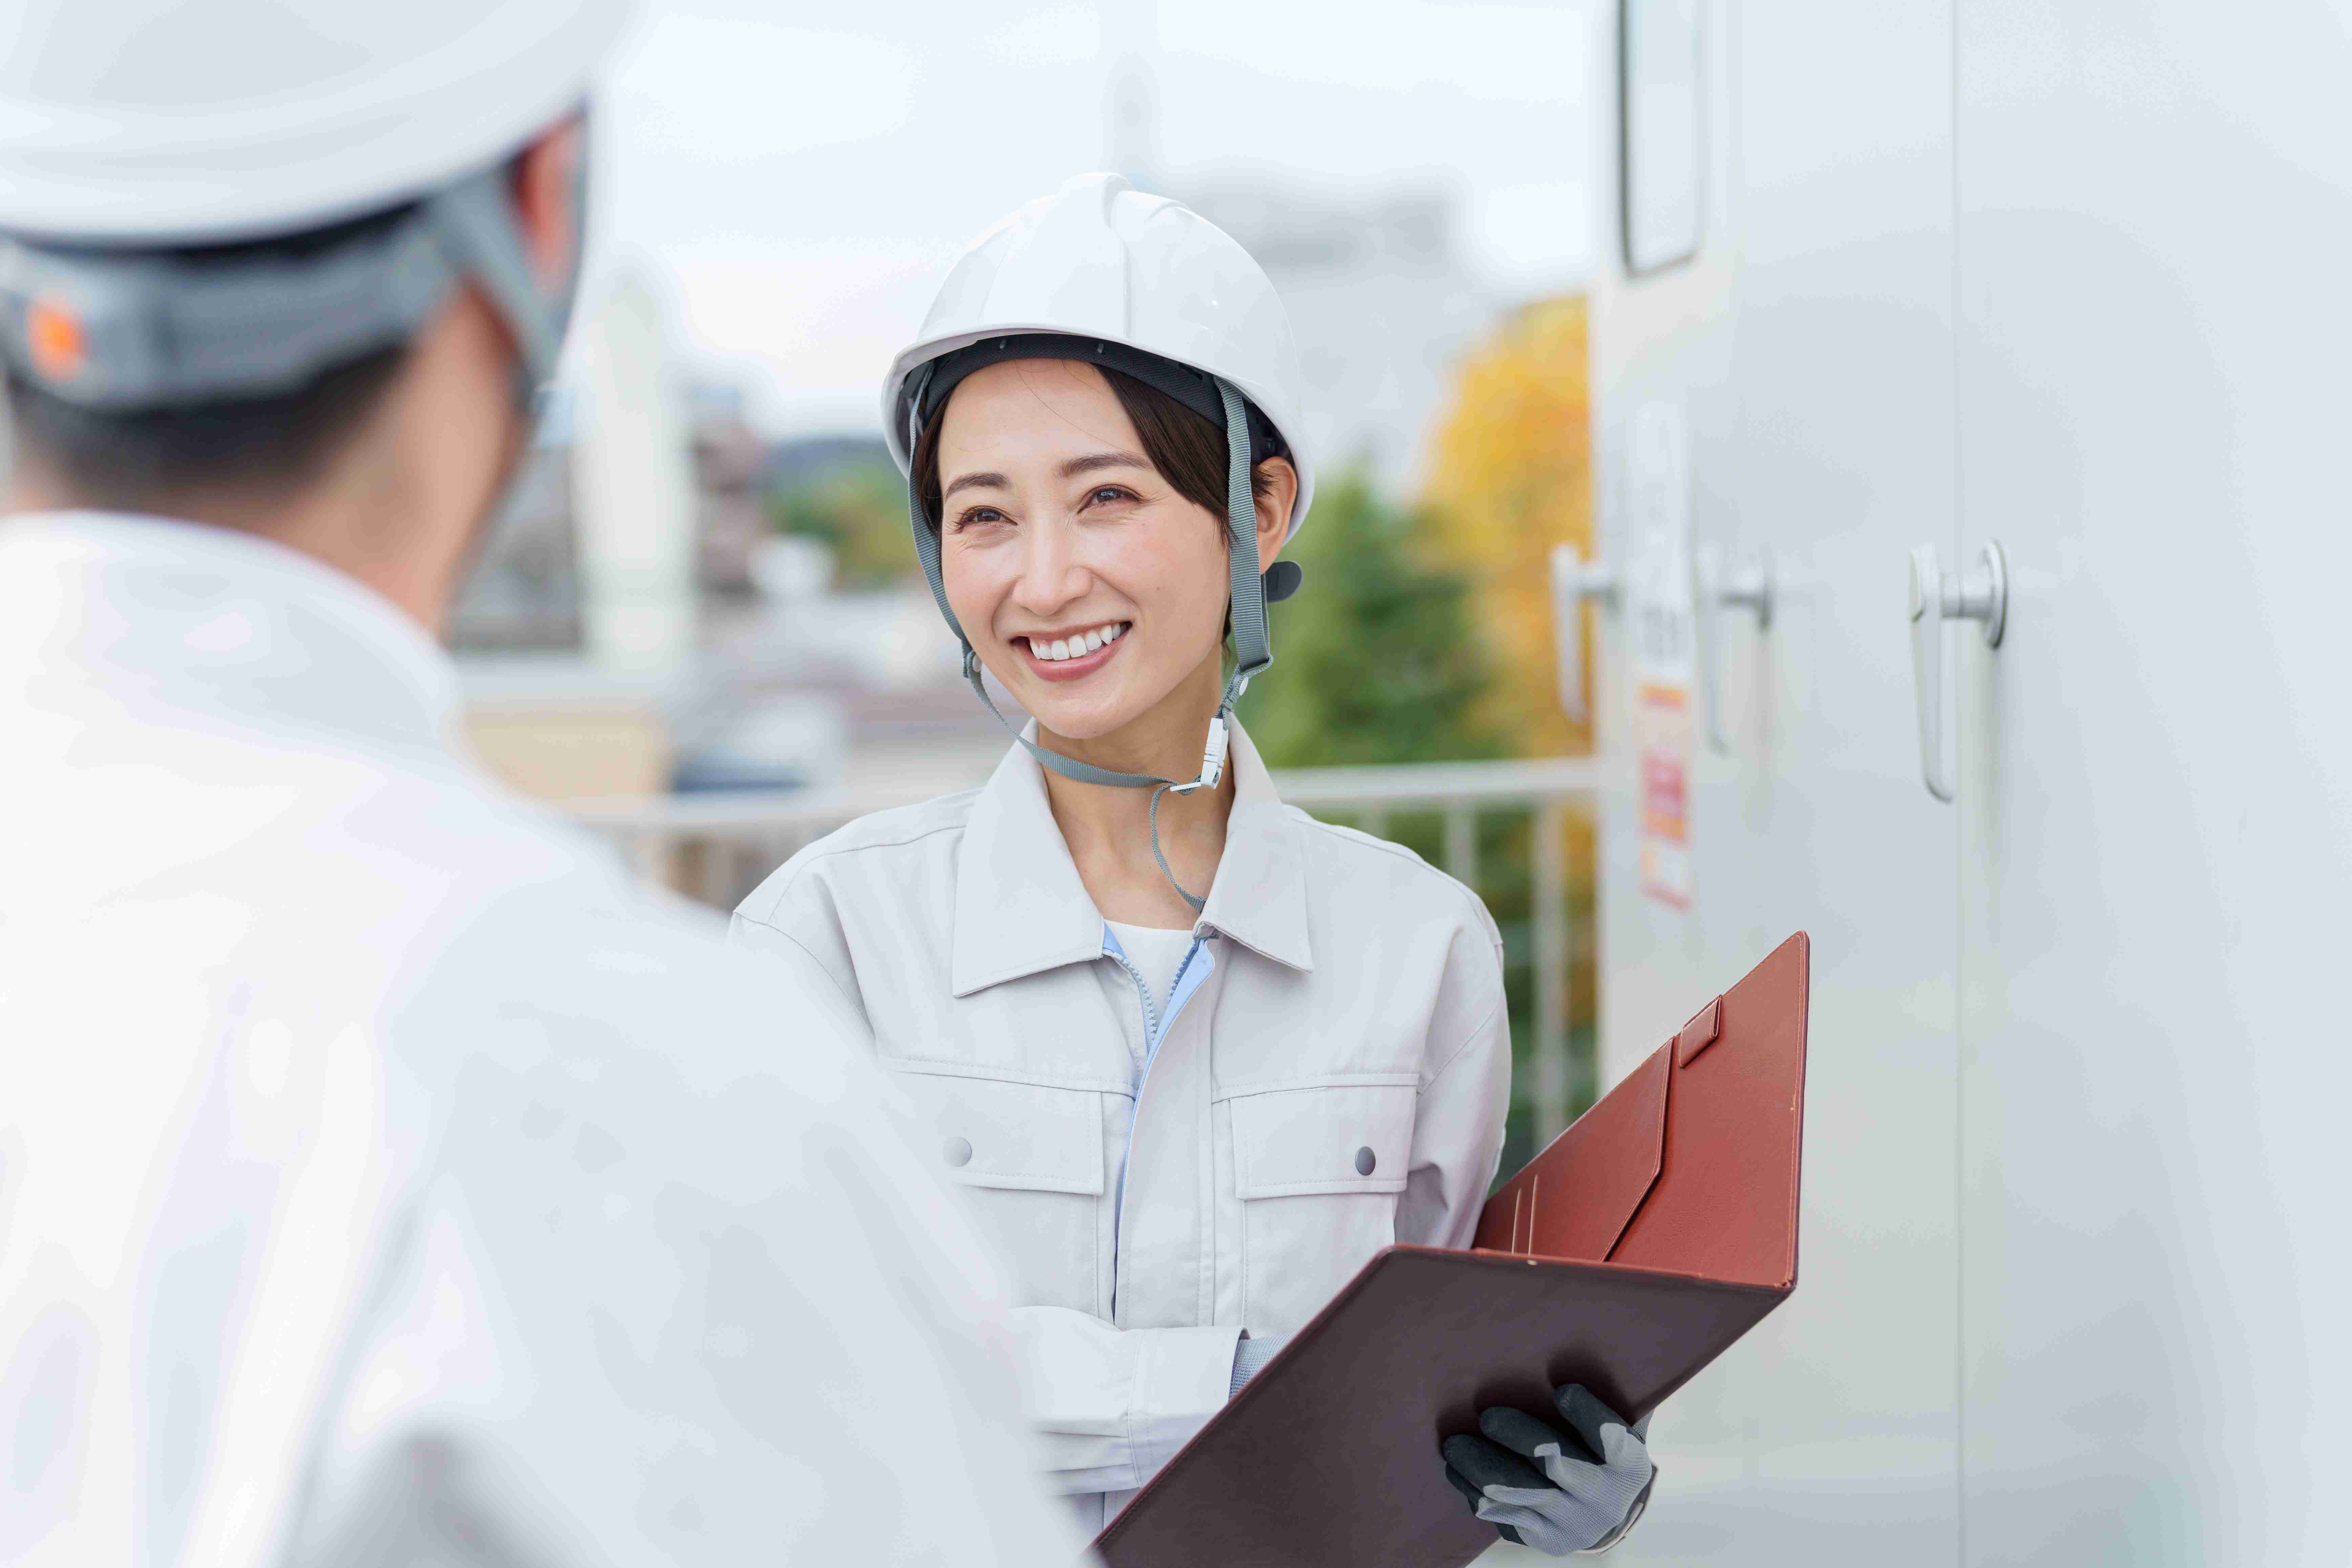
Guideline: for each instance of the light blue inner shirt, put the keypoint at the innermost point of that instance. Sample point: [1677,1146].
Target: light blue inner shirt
[1183,957]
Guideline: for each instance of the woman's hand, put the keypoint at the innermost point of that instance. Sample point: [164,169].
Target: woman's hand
[1531,1483]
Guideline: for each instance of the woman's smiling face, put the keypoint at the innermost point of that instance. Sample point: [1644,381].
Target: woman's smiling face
[1088,585]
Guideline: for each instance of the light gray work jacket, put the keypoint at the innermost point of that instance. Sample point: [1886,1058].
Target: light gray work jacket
[1329,1077]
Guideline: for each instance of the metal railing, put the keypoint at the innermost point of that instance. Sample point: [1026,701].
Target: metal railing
[717,847]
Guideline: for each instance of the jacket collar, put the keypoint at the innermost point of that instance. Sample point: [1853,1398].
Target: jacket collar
[1259,898]
[1020,909]
[195,620]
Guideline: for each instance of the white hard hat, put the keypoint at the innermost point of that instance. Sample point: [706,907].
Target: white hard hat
[162,122]
[1100,259]
[138,138]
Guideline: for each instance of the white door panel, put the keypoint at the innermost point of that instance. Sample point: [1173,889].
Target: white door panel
[2075,1261]
[2156,219]
[1820,401]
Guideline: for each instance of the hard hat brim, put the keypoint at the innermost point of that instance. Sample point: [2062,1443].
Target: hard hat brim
[905,367]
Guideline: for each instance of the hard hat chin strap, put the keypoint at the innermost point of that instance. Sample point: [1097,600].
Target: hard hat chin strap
[1251,651]
[474,225]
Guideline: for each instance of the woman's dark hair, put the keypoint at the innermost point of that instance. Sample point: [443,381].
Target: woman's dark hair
[1188,450]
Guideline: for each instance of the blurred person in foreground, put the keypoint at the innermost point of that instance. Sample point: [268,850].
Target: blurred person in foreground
[383,1176]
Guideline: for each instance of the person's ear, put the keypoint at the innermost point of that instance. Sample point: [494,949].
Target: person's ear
[1274,509]
[546,194]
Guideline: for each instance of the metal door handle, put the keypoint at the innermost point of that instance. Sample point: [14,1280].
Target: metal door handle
[1573,581]
[1938,596]
[1750,588]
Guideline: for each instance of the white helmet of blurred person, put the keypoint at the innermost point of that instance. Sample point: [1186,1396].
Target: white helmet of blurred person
[230,226]
[387,1177]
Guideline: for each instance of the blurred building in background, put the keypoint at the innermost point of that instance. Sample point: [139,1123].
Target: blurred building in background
[1380,296]
[524,594]
[1381,293]
[728,610]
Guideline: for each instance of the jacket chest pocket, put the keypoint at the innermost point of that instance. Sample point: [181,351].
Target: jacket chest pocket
[1030,1159]
[1317,1171]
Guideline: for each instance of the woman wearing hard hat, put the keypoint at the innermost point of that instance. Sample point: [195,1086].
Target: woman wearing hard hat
[1195,1056]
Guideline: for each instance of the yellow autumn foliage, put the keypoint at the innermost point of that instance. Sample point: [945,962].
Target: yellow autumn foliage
[1511,476]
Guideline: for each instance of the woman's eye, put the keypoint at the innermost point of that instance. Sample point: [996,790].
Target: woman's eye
[1107,494]
[978,514]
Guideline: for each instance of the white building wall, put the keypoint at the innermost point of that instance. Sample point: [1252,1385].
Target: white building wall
[2073,1255]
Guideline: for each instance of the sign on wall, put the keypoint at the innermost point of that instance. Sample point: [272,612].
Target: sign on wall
[1662,632]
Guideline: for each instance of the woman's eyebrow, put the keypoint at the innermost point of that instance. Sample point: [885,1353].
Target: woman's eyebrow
[973,482]
[1093,461]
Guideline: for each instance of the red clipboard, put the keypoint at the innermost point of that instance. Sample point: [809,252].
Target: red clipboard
[1628,1254]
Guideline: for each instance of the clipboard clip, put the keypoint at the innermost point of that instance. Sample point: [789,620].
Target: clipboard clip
[1705,1027]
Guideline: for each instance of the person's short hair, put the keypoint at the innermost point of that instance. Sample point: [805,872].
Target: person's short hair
[272,443]
[1188,451]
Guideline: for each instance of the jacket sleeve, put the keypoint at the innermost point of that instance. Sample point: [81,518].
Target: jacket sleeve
[661,1299]
[1111,1405]
[1457,1131]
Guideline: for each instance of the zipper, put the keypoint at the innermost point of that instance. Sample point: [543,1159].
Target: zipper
[1154,1030]
[1143,995]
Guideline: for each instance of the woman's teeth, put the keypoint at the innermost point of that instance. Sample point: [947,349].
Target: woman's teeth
[1076,646]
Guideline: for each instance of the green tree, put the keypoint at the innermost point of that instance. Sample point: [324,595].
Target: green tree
[858,506]
[1376,659]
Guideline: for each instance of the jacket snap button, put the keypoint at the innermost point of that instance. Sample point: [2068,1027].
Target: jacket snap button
[1365,1161]
[958,1151]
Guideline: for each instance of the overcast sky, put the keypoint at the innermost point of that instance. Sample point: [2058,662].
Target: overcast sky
[799,178]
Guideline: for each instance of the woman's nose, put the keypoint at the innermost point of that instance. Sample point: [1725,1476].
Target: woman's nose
[1051,574]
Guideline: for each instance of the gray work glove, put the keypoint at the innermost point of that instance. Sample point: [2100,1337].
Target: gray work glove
[1537,1487]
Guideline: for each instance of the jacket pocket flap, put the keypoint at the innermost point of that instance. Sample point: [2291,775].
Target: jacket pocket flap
[1340,1138]
[991,1132]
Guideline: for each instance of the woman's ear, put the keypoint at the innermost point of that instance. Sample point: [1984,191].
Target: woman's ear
[1274,507]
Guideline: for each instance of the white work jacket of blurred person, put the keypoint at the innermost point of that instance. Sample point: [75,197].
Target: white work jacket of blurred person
[385,1177]
[1329,1076]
